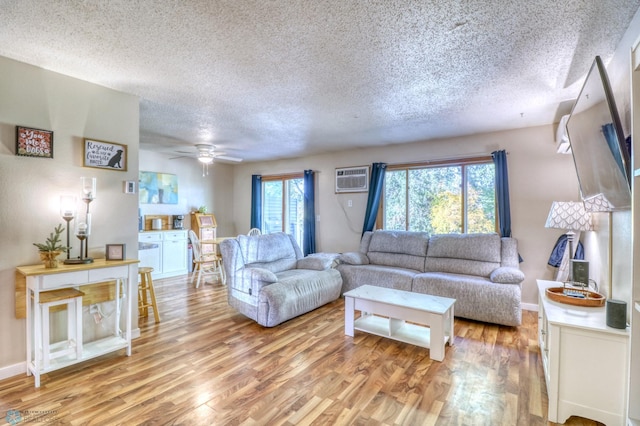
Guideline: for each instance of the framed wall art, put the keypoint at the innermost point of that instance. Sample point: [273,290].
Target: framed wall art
[34,142]
[158,188]
[104,155]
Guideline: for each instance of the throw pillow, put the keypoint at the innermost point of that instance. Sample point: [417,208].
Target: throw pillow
[316,263]
[354,258]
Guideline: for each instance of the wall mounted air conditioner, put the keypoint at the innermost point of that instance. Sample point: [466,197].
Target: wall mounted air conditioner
[352,179]
[562,138]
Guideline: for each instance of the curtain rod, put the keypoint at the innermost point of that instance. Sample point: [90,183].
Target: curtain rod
[483,156]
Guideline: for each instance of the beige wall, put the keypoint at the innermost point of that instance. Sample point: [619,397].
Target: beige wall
[537,176]
[30,188]
[194,190]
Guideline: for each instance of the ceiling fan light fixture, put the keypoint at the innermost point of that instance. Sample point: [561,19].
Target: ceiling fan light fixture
[205,160]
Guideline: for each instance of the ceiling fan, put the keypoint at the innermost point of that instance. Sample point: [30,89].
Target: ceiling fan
[205,154]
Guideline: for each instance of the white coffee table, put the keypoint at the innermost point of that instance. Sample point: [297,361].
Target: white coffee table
[385,310]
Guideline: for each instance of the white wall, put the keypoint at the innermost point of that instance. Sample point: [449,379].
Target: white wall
[537,176]
[194,190]
[30,188]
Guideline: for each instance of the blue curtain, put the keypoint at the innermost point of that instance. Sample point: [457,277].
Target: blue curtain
[376,183]
[256,201]
[309,228]
[502,192]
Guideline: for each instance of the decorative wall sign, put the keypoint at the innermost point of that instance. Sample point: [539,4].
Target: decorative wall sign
[105,155]
[158,188]
[34,142]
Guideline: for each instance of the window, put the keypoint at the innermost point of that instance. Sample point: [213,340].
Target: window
[283,205]
[448,197]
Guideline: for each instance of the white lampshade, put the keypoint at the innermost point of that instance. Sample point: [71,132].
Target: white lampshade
[597,203]
[569,215]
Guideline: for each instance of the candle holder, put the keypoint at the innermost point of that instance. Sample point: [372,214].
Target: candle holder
[88,195]
[68,212]
[82,228]
[82,232]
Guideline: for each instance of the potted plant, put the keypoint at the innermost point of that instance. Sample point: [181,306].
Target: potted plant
[52,248]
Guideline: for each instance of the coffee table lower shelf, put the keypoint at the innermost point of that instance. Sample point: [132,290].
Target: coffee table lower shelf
[396,329]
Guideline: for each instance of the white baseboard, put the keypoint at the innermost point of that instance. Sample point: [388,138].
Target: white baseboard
[13,370]
[530,307]
[21,367]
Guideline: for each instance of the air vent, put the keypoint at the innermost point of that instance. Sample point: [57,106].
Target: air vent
[352,179]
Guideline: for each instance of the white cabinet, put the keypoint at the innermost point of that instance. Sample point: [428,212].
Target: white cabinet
[586,363]
[164,251]
[174,253]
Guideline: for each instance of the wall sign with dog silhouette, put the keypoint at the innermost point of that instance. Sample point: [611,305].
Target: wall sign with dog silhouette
[105,155]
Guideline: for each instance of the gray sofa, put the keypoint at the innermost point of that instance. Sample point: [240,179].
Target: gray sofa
[480,271]
[269,281]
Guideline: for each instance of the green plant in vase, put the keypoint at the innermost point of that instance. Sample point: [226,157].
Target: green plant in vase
[52,248]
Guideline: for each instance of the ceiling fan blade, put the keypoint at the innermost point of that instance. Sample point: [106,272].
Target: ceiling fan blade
[228,158]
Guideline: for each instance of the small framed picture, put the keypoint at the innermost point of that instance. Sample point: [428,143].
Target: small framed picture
[105,155]
[34,142]
[116,251]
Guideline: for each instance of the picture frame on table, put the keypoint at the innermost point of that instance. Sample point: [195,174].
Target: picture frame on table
[116,251]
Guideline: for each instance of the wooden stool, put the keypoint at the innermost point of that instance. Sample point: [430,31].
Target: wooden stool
[73,345]
[146,283]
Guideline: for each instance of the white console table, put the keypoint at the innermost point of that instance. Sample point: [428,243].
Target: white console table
[121,273]
[586,363]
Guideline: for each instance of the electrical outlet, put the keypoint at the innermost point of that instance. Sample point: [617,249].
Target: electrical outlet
[349,203]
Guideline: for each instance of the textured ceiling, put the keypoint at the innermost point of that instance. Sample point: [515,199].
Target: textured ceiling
[275,78]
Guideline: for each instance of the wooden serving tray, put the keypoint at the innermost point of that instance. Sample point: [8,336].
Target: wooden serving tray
[589,299]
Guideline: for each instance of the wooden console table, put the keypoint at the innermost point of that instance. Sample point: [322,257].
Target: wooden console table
[100,281]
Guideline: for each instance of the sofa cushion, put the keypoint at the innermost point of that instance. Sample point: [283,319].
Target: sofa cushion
[402,249]
[472,254]
[297,292]
[354,276]
[480,247]
[476,298]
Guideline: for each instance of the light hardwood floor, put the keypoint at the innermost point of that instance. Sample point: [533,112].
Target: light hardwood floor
[205,364]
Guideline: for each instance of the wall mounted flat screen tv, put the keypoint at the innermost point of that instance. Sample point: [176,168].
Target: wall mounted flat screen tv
[600,153]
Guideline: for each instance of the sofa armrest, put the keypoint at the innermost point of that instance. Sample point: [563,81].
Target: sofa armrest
[316,263]
[507,275]
[261,274]
[251,280]
[354,258]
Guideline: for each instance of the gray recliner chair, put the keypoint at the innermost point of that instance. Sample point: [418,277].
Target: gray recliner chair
[269,280]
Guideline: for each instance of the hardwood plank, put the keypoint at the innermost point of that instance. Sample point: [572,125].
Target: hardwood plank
[207,364]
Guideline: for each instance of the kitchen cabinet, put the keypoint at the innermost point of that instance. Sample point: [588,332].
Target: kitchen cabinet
[164,251]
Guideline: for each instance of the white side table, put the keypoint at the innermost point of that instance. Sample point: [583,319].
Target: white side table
[585,362]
